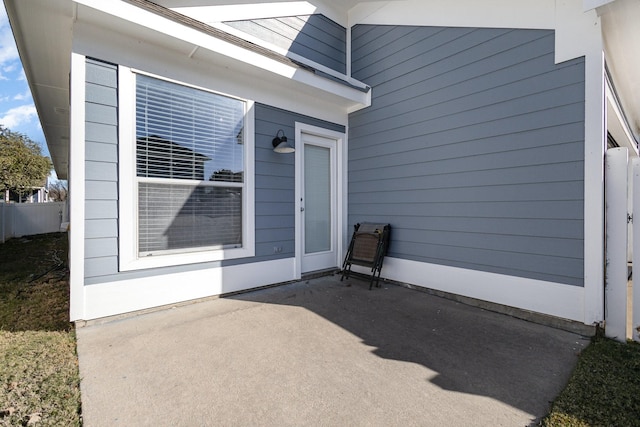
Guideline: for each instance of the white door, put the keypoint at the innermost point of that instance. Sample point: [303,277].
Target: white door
[317,191]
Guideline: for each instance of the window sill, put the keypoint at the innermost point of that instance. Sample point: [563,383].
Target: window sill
[169,260]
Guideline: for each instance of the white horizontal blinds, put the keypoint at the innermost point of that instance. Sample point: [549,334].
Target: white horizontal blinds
[186,133]
[177,217]
[189,167]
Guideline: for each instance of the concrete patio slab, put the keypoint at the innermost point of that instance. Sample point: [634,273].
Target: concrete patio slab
[323,352]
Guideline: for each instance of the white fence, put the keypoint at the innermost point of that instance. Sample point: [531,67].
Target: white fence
[25,219]
[622,296]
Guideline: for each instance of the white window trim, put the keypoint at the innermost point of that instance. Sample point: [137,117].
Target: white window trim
[128,191]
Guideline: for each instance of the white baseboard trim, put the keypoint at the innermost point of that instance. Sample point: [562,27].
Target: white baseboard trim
[119,297]
[554,299]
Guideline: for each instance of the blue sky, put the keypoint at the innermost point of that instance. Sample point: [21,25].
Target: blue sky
[17,111]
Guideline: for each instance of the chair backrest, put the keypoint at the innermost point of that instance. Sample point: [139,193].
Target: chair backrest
[367,240]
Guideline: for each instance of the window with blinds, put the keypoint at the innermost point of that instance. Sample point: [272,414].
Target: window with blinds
[189,168]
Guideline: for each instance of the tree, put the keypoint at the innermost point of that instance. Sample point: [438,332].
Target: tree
[58,191]
[22,165]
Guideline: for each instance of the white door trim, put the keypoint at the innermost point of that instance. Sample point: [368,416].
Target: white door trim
[341,189]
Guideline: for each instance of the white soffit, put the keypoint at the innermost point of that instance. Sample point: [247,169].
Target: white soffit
[621,31]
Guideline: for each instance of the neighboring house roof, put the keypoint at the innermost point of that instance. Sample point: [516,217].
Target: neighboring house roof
[160,158]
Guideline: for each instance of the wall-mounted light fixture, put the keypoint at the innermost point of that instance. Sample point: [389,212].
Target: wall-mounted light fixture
[280,144]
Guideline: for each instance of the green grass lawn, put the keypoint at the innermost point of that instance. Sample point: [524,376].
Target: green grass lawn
[39,380]
[604,389]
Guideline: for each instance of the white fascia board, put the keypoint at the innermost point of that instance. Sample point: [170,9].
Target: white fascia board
[363,99]
[238,12]
[137,16]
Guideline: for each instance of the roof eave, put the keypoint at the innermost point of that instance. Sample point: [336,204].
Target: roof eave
[143,13]
[45,61]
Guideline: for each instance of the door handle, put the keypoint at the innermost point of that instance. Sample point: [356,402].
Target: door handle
[301,209]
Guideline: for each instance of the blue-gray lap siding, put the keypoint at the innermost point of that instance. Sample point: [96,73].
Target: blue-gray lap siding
[274,183]
[473,149]
[275,180]
[315,37]
[101,168]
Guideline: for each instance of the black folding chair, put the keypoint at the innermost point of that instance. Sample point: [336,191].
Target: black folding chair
[367,248]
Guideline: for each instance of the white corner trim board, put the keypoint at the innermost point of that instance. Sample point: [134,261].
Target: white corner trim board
[125,296]
[77,185]
[554,299]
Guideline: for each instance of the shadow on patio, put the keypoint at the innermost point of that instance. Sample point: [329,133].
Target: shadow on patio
[469,350]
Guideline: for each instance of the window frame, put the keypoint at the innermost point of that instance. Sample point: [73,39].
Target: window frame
[128,185]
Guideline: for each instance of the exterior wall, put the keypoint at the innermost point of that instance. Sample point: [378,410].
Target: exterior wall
[473,149]
[312,36]
[145,51]
[279,102]
[101,169]
[275,181]
[274,193]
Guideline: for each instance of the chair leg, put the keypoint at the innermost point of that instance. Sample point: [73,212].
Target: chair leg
[377,277]
[345,272]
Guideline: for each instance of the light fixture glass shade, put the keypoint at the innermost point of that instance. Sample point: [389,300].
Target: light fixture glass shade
[280,144]
[284,147]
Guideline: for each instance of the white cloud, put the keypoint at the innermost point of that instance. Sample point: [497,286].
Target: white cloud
[22,96]
[8,51]
[18,116]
